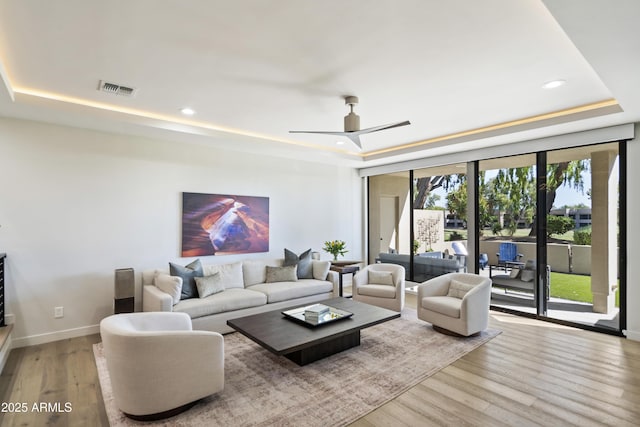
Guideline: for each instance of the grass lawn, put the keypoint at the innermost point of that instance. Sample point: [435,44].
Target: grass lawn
[574,287]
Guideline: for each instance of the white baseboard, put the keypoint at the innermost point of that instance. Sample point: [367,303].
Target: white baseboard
[55,336]
[632,335]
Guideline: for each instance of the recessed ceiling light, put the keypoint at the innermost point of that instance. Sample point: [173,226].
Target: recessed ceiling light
[187,111]
[339,142]
[552,84]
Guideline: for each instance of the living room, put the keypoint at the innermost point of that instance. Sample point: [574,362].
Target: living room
[88,190]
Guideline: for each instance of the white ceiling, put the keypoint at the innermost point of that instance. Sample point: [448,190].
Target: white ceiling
[255,69]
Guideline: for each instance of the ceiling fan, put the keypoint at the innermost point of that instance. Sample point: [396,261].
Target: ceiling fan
[352,125]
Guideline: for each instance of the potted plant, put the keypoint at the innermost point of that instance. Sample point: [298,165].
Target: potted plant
[335,248]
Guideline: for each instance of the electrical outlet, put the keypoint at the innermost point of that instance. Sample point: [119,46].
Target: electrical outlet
[58,312]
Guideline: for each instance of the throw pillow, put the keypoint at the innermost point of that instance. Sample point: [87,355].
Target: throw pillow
[458,289]
[281,274]
[171,285]
[303,262]
[515,272]
[230,274]
[380,278]
[527,275]
[321,269]
[209,285]
[187,274]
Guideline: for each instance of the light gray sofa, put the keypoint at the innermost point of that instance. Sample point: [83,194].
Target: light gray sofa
[424,267]
[246,292]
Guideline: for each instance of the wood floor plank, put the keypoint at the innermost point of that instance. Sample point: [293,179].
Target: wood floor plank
[534,373]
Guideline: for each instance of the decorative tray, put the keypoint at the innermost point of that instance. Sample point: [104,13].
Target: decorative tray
[333,315]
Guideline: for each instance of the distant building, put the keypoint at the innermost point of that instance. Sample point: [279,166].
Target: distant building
[581,216]
[452,221]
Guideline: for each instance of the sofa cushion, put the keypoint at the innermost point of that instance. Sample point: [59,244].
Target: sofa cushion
[321,269]
[380,278]
[447,306]
[303,262]
[458,289]
[187,273]
[378,291]
[230,274]
[171,285]
[209,285]
[281,291]
[229,300]
[255,271]
[281,274]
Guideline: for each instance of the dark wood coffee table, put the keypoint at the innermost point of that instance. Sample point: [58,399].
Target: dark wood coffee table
[305,344]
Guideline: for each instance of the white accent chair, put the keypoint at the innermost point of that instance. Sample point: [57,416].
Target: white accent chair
[158,365]
[457,303]
[381,285]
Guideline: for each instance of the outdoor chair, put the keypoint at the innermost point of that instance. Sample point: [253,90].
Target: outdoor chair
[459,248]
[483,261]
[508,252]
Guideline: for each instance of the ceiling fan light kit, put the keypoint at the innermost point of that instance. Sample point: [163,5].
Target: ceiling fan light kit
[352,125]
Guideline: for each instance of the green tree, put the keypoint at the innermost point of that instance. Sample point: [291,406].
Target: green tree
[559,224]
[512,193]
[457,201]
[564,173]
[432,199]
[423,187]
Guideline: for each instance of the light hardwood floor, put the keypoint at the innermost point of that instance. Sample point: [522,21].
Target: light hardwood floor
[534,373]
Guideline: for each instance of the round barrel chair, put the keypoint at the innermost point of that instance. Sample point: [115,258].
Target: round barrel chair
[455,303]
[158,365]
[381,285]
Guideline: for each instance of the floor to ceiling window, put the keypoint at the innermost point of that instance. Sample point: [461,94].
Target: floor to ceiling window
[507,205]
[583,235]
[548,230]
[417,219]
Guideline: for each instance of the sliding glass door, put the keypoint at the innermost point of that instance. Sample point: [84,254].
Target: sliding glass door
[417,219]
[582,239]
[548,229]
[507,234]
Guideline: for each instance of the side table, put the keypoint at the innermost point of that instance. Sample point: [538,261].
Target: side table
[342,268]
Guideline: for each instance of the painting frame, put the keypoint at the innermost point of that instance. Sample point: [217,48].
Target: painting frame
[224,224]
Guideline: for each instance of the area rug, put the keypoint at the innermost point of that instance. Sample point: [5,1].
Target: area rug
[262,389]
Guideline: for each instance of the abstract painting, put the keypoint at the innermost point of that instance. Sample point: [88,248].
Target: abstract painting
[220,224]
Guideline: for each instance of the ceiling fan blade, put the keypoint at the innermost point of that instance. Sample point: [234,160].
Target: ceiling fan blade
[319,131]
[383,127]
[353,136]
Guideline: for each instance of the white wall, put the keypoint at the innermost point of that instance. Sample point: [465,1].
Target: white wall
[76,204]
[633,235]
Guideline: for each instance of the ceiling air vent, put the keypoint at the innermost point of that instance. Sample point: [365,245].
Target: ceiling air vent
[116,89]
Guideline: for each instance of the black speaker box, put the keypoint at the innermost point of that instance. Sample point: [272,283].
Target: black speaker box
[124,291]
